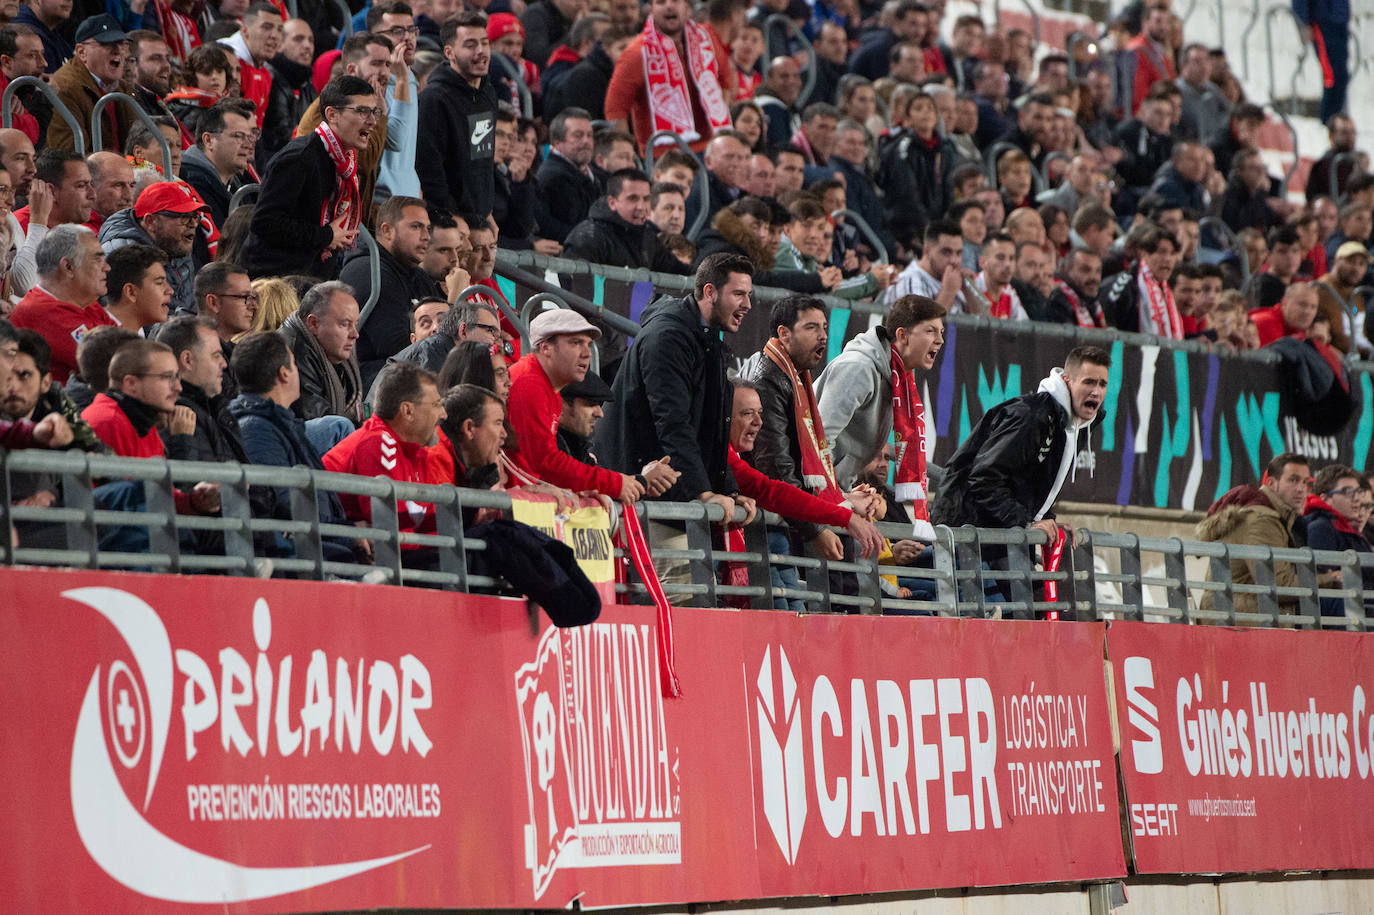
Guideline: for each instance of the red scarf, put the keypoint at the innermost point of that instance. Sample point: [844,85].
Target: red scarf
[909,427]
[178,31]
[347,199]
[1159,298]
[1082,314]
[665,82]
[818,470]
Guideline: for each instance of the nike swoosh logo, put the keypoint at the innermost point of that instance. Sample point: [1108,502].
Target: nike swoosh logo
[479,133]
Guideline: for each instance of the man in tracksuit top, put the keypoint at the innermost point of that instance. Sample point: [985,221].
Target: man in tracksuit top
[456,155]
[1009,471]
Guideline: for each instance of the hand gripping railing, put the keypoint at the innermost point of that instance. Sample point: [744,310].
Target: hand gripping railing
[526,99]
[374,273]
[809,85]
[1223,231]
[1334,177]
[700,189]
[1278,10]
[865,230]
[110,97]
[248,190]
[7,101]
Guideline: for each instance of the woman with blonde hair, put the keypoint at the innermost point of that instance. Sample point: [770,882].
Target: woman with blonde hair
[276,301]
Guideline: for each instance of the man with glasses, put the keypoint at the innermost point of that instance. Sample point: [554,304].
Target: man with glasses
[223,146]
[396,21]
[312,202]
[467,320]
[1336,513]
[1269,514]
[224,292]
[166,216]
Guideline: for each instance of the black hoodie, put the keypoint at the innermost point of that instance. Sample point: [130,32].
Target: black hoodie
[604,237]
[456,153]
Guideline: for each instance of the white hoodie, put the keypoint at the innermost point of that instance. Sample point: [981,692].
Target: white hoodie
[1059,388]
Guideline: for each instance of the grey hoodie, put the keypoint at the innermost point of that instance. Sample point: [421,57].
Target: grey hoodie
[854,394]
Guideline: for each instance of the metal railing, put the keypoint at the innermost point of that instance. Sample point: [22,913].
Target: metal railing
[865,230]
[242,194]
[1225,233]
[971,572]
[1334,177]
[7,103]
[374,272]
[96,130]
[477,290]
[1279,9]
[1297,154]
[809,71]
[1245,38]
[700,187]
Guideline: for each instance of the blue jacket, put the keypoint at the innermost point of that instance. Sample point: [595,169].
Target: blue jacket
[274,437]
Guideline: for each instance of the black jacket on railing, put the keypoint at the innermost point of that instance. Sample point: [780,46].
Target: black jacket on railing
[672,397]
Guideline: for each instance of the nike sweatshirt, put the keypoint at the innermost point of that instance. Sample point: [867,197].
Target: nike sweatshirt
[456,152]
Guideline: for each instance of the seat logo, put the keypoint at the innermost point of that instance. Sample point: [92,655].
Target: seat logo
[1148,753]
[781,767]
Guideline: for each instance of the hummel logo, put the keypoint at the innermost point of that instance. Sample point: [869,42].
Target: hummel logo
[780,755]
[389,463]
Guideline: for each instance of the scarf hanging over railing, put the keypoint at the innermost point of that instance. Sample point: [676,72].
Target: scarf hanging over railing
[909,428]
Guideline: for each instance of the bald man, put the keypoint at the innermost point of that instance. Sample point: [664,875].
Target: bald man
[112,178]
[16,156]
[727,173]
[784,83]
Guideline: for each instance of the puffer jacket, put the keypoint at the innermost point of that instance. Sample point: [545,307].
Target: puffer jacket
[1253,515]
[122,229]
[727,234]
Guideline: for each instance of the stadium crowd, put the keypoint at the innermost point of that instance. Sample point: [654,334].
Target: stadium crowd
[148,315]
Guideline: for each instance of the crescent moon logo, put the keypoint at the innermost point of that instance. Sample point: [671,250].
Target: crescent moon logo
[116,834]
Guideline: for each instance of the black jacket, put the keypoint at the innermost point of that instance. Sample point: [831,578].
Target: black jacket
[574,445]
[777,453]
[199,172]
[455,157]
[671,397]
[566,196]
[285,235]
[1120,297]
[1242,208]
[387,329]
[1179,191]
[870,59]
[293,89]
[1324,532]
[216,438]
[545,28]
[319,396]
[514,207]
[584,85]
[1143,153]
[719,195]
[727,234]
[1007,467]
[916,177]
[604,237]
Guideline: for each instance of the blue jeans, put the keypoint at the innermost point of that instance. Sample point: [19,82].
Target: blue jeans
[783,576]
[324,432]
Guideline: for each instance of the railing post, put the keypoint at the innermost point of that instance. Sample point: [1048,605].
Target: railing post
[139,114]
[78,491]
[448,522]
[947,586]
[1019,589]
[703,570]
[760,573]
[1309,604]
[234,503]
[60,107]
[1175,567]
[818,580]
[159,495]
[1266,602]
[305,503]
[969,556]
[386,553]
[1132,594]
[1084,561]
[869,586]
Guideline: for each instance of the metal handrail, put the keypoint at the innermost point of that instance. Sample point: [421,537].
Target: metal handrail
[247,190]
[7,101]
[1245,38]
[477,289]
[347,29]
[104,102]
[374,273]
[1232,240]
[1188,12]
[1269,14]
[1336,162]
[700,188]
[1055,156]
[811,70]
[865,230]
[1297,156]
[615,322]
[526,99]
[1035,20]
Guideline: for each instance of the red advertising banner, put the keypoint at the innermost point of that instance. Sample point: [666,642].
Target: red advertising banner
[177,742]
[1245,750]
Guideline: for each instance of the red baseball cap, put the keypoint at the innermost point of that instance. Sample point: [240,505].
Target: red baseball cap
[168,197]
[502,24]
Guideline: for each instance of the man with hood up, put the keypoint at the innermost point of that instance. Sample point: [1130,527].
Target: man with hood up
[1010,469]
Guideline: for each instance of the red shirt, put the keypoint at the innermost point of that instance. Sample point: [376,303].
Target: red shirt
[1150,67]
[533,407]
[23,120]
[784,498]
[61,324]
[376,451]
[1271,326]
[115,429]
[256,83]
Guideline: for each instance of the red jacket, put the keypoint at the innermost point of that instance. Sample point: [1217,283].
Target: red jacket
[533,407]
[61,324]
[784,498]
[1150,67]
[115,429]
[1271,326]
[23,120]
[375,451]
[16,434]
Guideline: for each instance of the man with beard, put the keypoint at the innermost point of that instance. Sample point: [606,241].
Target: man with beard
[1154,61]
[792,446]
[293,88]
[1337,287]
[868,391]
[445,261]
[311,205]
[402,241]
[456,156]
[1009,471]
[96,69]
[1001,298]
[1074,299]
[21,54]
[567,188]
[152,72]
[165,216]
[1032,279]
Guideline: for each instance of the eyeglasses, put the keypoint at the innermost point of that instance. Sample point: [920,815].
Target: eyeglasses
[161,376]
[426,403]
[249,297]
[489,328]
[364,112]
[189,219]
[239,136]
[399,31]
[1345,491]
